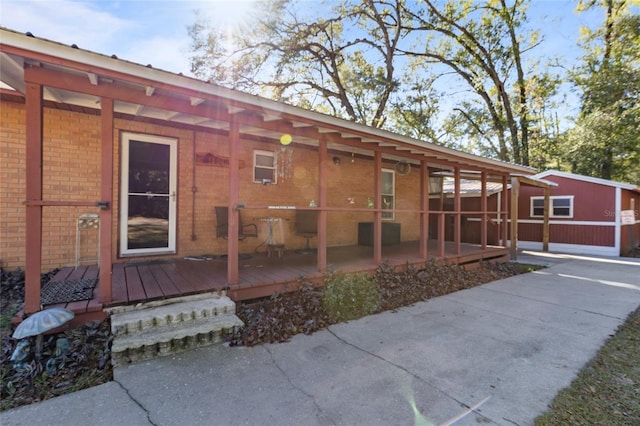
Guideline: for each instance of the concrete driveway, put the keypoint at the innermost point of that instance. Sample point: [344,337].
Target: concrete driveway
[508,346]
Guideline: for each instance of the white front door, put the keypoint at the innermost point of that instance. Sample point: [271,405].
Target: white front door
[148,194]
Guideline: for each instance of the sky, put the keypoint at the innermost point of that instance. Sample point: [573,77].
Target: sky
[142,31]
[155,31]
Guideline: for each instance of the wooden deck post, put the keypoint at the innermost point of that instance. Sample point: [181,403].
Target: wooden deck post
[457,225]
[33,240]
[424,207]
[515,193]
[483,207]
[106,194]
[234,199]
[322,199]
[377,203]
[441,222]
[545,225]
[503,223]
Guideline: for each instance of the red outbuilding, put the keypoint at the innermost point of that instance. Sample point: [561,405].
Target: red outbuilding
[586,215]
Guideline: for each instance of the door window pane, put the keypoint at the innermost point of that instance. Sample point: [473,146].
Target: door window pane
[388,193]
[148,222]
[148,167]
[264,166]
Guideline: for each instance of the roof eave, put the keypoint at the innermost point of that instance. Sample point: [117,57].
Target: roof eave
[85,58]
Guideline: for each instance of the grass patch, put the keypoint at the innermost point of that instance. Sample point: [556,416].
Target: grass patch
[607,389]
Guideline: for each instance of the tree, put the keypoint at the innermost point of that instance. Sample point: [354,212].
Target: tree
[342,63]
[484,44]
[384,63]
[605,142]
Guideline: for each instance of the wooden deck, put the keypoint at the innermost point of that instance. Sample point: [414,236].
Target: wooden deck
[85,310]
[259,276]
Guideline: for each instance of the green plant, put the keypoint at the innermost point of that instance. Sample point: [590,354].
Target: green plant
[349,296]
[5,321]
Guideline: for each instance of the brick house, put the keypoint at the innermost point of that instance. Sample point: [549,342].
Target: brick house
[150,154]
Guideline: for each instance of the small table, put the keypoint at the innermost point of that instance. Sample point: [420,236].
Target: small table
[275,245]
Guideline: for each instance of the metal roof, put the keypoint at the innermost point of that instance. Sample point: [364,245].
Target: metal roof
[154,94]
[590,179]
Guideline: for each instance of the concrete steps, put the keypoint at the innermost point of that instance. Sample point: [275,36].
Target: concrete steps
[165,327]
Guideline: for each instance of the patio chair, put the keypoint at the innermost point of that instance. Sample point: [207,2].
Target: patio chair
[222,227]
[307,227]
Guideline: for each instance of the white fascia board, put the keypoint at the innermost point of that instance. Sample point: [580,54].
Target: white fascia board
[578,249]
[589,179]
[85,57]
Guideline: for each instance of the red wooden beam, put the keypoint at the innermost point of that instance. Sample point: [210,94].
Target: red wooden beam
[545,221]
[377,204]
[483,207]
[33,261]
[59,203]
[58,79]
[441,234]
[322,199]
[234,199]
[106,195]
[504,213]
[457,226]
[424,207]
[515,194]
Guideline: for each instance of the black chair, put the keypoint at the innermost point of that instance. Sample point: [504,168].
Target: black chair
[222,227]
[307,227]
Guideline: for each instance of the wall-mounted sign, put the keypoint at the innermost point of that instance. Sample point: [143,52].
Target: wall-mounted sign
[209,159]
[627,217]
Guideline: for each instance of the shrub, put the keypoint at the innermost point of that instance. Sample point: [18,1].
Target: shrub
[349,296]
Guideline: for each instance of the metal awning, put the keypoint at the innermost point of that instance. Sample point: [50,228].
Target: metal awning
[80,78]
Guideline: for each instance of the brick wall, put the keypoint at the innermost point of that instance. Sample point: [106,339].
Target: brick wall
[72,172]
[12,184]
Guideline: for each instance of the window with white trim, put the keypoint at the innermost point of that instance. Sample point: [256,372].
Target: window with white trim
[388,193]
[264,167]
[560,206]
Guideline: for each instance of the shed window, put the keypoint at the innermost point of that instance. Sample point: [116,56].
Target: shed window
[388,193]
[264,167]
[561,206]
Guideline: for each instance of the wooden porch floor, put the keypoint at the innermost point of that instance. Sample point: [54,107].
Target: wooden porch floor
[259,276]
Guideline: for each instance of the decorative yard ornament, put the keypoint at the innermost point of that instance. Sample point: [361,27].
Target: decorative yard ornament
[285,139]
[41,322]
[284,158]
[21,354]
[403,168]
